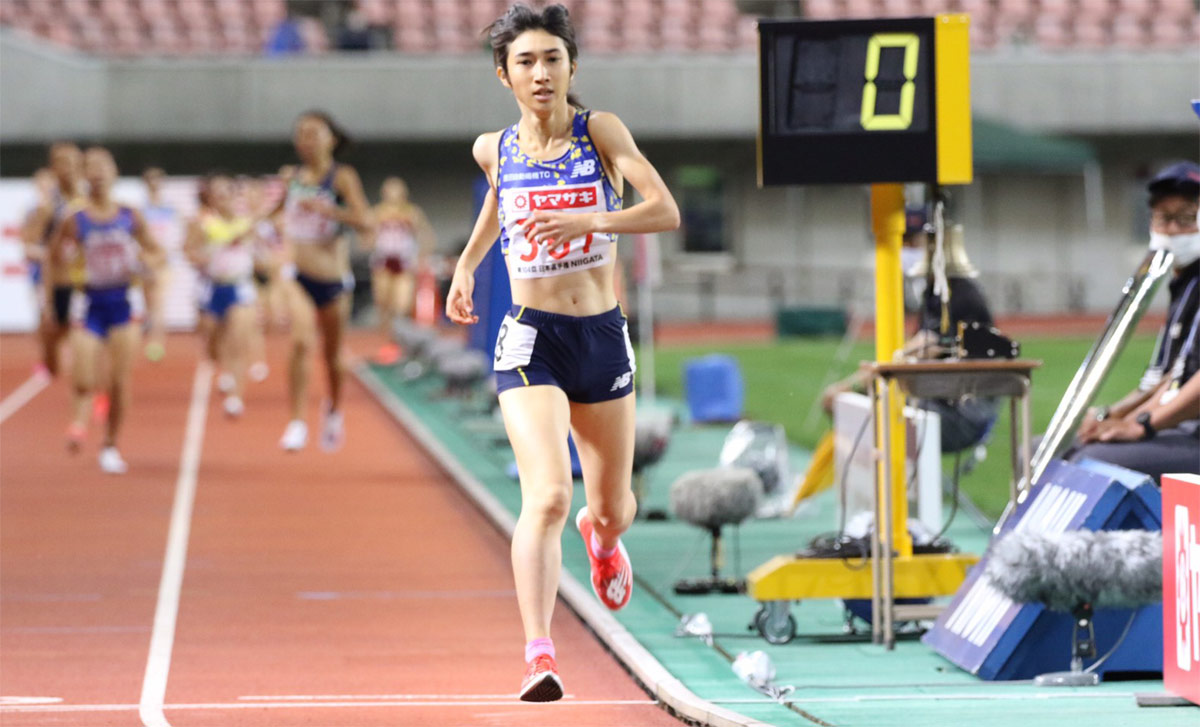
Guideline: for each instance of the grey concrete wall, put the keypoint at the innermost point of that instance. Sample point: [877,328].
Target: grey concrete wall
[46,93]
[1027,232]
[407,98]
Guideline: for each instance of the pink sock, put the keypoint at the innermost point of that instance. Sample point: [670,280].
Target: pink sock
[538,647]
[601,552]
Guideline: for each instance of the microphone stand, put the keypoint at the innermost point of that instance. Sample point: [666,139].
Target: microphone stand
[1083,646]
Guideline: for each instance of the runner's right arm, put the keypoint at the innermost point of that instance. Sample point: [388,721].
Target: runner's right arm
[460,305]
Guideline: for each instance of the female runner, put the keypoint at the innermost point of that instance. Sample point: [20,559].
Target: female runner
[219,243]
[65,162]
[403,238]
[110,237]
[165,226]
[323,196]
[563,358]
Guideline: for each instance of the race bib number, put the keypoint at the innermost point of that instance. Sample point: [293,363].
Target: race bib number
[305,225]
[533,259]
[230,263]
[111,259]
[514,345]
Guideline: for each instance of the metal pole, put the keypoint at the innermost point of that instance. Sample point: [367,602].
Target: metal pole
[888,543]
[1136,297]
[1025,433]
[877,534]
[1016,451]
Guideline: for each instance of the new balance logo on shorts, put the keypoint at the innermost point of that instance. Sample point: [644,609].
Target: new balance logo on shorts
[622,381]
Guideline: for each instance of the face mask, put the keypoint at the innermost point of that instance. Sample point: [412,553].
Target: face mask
[1185,247]
[909,257]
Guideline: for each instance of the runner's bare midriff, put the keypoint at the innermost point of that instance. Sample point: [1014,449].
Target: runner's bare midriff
[321,260]
[583,293]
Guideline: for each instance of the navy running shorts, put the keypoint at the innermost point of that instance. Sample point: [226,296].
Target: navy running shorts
[324,292]
[223,296]
[589,357]
[108,308]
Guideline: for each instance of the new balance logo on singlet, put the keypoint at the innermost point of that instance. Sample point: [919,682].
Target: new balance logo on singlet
[585,168]
[622,381]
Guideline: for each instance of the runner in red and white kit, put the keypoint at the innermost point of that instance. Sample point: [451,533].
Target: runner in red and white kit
[402,242]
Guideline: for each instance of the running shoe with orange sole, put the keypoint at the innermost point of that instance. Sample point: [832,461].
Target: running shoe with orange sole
[542,682]
[612,577]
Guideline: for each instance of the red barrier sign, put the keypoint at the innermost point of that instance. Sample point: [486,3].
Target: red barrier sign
[1181,585]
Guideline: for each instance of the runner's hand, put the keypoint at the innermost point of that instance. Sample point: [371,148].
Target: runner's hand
[460,304]
[557,228]
[1090,426]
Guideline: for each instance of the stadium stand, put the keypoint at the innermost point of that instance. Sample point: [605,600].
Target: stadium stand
[209,27]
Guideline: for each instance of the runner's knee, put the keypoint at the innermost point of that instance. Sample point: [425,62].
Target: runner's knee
[549,505]
[614,512]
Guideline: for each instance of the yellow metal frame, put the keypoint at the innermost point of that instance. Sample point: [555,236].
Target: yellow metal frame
[887,217]
[953,53]
[786,578]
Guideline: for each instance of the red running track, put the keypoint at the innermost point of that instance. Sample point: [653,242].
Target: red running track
[356,588]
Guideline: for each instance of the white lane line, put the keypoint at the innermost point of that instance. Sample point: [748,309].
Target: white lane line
[162,639]
[22,395]
[381,697]
[510,701]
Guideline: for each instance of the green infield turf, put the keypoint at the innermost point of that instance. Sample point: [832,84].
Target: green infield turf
[784,378]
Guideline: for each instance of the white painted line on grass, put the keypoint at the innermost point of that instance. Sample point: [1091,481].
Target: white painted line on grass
[162,639]
[23,395]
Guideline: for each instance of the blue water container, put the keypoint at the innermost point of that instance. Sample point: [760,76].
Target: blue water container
[713,386]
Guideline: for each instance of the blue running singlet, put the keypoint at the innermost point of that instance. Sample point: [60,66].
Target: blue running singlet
[574,182]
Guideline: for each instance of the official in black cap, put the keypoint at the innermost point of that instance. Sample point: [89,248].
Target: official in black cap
[1156,427]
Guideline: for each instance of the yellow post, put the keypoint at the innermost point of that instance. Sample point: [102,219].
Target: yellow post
[887,217]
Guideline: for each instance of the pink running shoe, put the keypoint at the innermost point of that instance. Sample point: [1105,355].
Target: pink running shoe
[612,577]
[542,683]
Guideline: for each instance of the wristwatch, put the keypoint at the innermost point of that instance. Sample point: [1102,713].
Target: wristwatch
[1144,420]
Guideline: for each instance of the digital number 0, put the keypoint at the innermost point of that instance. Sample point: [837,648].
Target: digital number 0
[872,121]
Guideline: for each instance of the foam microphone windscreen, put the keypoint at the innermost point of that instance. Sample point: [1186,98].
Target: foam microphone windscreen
[715,497]
[1106,568]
